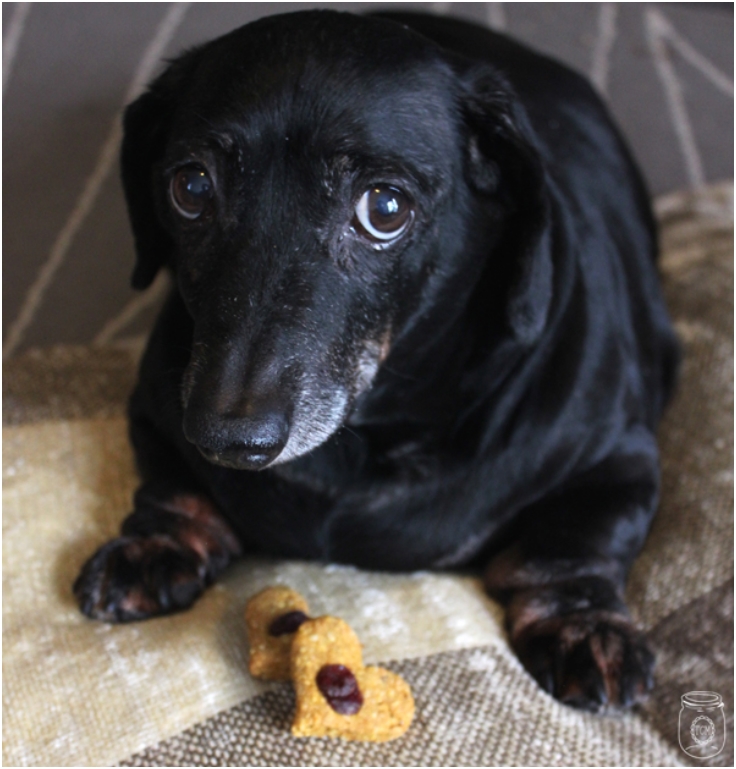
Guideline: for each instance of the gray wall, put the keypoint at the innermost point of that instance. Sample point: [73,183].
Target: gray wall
[666,70]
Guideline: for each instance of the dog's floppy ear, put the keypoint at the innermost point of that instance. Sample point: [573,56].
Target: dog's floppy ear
[146,125]
[502,162]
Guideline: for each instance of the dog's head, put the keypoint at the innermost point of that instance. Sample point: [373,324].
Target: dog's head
[322,185]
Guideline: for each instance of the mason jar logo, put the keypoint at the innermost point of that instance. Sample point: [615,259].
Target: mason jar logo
[702,724]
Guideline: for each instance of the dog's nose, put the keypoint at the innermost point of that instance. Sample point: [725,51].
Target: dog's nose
[242,443]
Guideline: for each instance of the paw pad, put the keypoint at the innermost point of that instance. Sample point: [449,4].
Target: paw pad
[336,695]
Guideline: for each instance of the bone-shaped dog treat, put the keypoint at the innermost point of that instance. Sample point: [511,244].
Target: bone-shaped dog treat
[336,696]
[272,617]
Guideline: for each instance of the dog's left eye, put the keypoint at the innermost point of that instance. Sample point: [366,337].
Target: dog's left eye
[384,212]
[191,190]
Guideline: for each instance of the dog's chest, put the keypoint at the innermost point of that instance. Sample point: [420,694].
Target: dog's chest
[414,518]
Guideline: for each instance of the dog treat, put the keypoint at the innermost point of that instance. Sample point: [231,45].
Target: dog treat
[272,617]
[336,696]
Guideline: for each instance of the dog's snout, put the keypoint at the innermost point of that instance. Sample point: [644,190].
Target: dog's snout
[245,443]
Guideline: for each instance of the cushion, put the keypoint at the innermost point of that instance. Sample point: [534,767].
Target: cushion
[176,690]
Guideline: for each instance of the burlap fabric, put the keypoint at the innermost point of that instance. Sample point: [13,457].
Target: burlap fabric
[176,691]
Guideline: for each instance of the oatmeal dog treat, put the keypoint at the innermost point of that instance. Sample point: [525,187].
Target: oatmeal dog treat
[336,696]
[272,617]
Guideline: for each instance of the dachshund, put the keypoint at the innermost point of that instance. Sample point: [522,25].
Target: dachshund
[415,323]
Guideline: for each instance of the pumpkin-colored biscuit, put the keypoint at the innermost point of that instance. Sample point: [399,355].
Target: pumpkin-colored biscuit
[269,616]
[322,649]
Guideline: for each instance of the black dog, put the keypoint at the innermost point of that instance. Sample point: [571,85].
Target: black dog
[416,291]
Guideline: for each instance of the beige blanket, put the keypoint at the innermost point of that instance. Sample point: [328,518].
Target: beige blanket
[176,691]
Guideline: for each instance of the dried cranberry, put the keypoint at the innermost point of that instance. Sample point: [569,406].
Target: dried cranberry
[287,623]
[339,687]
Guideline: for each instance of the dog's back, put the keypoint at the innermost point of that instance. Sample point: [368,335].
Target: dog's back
[589,163]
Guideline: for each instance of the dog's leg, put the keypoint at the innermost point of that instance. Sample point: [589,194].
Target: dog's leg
[563,582]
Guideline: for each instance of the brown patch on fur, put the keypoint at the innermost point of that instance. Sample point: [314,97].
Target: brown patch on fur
[607,649]
[511,571]
[541,619]
[137,602]
[208,523]
[198,538]
[525,610]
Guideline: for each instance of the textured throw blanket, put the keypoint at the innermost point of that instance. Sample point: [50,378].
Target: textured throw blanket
[176,691]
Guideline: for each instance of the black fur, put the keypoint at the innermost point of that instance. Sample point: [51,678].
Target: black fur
[483,390]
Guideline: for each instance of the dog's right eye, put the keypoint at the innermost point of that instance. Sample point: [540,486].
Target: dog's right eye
[191,190]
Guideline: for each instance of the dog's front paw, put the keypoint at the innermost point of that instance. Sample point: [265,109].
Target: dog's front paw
[133,578]
[594,660]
